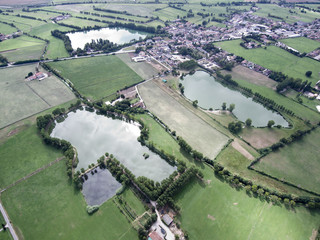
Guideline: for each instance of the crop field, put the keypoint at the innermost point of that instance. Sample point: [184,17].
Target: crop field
[297,163]
[21,99]
[276,59]
[143,69]
[213,210]
[24,24]
[190,127]
[301,44]
[284,13]
[136,9]
[28,157]
[97,77]
[22,48]
[46,206]
[169,13]
[82,22]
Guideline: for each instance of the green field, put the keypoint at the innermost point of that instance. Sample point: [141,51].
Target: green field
[22,154]
[46,206]
[199,134]
[297,163]
[213,210]
[6,29]
[21,99]
[56,48]
[22,48]
[275,59]
[301,44]
[97,77]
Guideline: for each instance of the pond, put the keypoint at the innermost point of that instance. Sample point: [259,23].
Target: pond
[211,94]
[115,35]
[93,135]
[99,187]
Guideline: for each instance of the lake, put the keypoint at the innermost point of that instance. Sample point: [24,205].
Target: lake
[211,94]
[99,187]
[115,35]
[93,135]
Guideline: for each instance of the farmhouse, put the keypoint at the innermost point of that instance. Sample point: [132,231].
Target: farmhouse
[40,76]
[167,219]
[154,236]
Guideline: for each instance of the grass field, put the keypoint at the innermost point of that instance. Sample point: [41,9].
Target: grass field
[143,69]
[22,2]
[200,135]
[46,206]
[22,154]
[6,29]
[56,48]
[214,210]
[297,163]
[301,44]
[22,48]
[276,59]
[97,77]
[24,24]
[21,99]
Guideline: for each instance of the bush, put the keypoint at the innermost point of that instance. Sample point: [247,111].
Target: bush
[92,209]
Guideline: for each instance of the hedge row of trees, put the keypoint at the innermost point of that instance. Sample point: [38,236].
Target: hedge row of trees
[66,40]
[261,191]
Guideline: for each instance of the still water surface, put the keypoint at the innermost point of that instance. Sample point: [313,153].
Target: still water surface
[211,94]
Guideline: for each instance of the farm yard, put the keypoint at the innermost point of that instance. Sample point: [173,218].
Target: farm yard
[275,59]
[190,127]
[296,163]
[21,98]
[99,76]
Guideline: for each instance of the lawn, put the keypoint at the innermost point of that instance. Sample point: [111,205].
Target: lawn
[46,206]
[198,133]
[276,59]
[22,154]
[214,210]
[301,44]
[97,77]
[22,48]
[20,99]
[297,163]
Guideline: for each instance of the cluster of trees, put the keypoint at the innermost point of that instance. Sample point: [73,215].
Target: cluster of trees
[141,28]
[188,149]
[184,51]
[188,65]
[261,191]
[101,45]
[210,48]
[235,127]
[285,81]
[3,61]
[64,38]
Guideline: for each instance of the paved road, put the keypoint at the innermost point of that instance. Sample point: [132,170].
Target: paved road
[6,218]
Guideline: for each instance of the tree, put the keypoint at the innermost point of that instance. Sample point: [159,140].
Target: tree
[195,103]
[231,107]
[248,122]
[224,106]
[270,123]
[308,73]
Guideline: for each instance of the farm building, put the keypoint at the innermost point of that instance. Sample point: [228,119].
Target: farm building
[167,219]
[154,236]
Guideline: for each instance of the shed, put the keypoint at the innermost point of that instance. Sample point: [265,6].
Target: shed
[167,219]
[163,80]
[154,236]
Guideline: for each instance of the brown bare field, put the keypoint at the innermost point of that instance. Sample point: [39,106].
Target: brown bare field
[198,133]
[243,73]
[22,2]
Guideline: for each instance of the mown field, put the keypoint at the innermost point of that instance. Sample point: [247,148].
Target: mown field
[22,2]
[46,206]
[199,134]
[6,29]
[22,48]
[301,44]
[297,163]
[21,99]
[275,59]
[97,77]
[213,210]
[22,154]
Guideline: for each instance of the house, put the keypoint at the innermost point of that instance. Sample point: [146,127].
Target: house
[167,219]
[154,236]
